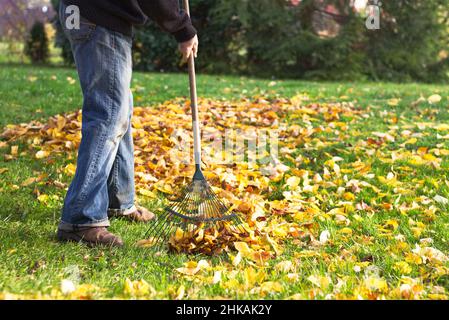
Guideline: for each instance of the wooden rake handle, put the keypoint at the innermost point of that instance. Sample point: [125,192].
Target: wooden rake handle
[194,101]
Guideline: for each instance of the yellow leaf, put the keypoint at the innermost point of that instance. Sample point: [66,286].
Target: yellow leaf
[42,154]
[394,102]
[442,127]
[271,286]
[14,150]
[85,291]
[319,281]
[191,268]
[237,259]
[284,266]
[435,98]
[243,249]
[252,276]
[137,288]
[348,196]
[347,231]
[70,80]
[392,223]
[293,182]
[411,141]
[29,181]
[402,267]
[43,198]
[180,292]
[260,257]
[147,193]
[203,264]
[61,122]
[217,277]
[273,243]
[70,169]
[146,243]
[376,284]
[413,258]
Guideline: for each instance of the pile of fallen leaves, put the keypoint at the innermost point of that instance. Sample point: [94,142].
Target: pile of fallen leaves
[208,240]
[159,169]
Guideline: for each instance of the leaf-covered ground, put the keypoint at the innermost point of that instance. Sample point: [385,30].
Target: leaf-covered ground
[355,205]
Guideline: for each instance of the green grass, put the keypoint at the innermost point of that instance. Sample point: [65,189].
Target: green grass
[31,260]
[13,53]
[36,93]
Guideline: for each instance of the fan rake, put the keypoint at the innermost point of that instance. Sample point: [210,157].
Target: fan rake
[197,209]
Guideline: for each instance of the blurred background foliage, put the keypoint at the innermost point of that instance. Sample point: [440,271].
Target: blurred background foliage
[36,46]
[312,39]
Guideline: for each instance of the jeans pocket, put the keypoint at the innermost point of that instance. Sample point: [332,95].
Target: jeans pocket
[83,33]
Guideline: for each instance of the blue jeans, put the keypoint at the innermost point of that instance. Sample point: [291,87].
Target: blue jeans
[104,178]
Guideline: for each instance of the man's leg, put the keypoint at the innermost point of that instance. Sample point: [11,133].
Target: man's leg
[121,189]
[121,178]
[103,60]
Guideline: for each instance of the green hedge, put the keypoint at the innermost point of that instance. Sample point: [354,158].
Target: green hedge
[60,38]
[275,38]
[36,45]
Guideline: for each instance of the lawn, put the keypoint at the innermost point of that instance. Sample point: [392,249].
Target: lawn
[359,211]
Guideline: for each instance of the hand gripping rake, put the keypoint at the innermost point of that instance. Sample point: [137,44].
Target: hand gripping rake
[197,206]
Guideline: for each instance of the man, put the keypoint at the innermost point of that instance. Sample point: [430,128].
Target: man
[103,185]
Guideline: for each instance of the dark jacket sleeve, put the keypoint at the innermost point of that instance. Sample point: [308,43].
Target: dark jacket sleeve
[167,14]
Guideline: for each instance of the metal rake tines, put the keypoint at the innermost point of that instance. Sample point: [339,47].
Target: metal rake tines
[199,202]
[197,207]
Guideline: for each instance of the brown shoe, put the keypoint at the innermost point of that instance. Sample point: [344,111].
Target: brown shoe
[141,214]
[91,236]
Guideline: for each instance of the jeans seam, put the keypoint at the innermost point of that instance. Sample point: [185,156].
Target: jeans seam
[93,167]
[113,188]
[115,182]
[115,175]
